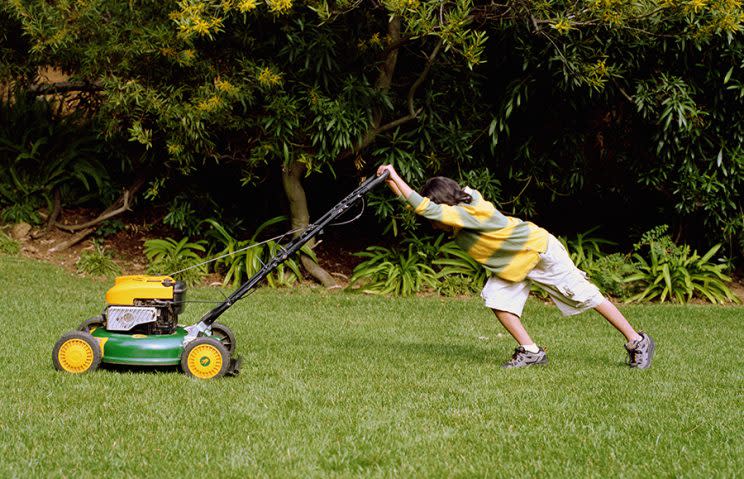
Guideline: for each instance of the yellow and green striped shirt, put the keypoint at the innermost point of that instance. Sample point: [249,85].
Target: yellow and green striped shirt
[507,247]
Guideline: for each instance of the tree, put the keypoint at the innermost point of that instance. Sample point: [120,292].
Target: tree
[526,99]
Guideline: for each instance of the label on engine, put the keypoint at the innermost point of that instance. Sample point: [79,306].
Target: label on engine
[124,318]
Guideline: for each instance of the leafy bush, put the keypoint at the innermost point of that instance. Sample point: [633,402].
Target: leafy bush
[674,272]
[586,249]
[97,262]
[42,153]
[609,273]
[167,256]
[109,227]
[182,216]
[8,245]
[24,211]
[244,258]
[401,271]
[459,273]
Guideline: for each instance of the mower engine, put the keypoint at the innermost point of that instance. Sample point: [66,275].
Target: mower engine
[147,305]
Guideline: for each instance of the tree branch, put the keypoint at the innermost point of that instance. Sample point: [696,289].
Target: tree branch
[87,228]
[108,214]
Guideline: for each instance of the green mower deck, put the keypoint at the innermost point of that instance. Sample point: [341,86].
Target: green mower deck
[140,349]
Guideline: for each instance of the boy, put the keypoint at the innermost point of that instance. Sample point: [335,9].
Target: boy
[516,253]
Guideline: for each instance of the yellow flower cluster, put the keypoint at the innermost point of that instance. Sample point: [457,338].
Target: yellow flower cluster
[596,74]
[375,41]
[612,16]
[186,57]
[400,5]
[696,5]
[279,6]
[210,104]
[193,19]
[608,3]
[268,78]
[245,6]
[562,25]
[225,86]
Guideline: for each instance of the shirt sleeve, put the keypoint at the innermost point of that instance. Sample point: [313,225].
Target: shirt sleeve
[458,216]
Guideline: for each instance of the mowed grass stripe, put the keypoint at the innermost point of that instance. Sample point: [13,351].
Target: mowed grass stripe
[342,385]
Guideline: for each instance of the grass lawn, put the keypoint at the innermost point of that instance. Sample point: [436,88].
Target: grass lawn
[340,385]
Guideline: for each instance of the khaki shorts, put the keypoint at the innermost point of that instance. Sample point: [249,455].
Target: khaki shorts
[556,274]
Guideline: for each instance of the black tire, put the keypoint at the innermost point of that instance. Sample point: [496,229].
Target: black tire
[76,352]
[88,324]
[205,358]
[224,335]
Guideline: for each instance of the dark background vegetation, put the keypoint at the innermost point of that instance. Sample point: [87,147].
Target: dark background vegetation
[614,114]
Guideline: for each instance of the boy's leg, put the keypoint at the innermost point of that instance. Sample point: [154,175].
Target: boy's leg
[506,299]
[616,319]
[573,293]
[512,323]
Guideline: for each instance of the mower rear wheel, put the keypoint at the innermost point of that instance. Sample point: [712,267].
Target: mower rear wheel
[205,358]
[223,334]
[89,324]
[76,352]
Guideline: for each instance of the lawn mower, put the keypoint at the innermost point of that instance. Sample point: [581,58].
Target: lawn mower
[139,324]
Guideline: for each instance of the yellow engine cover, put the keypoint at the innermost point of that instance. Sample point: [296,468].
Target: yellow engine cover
[128,288]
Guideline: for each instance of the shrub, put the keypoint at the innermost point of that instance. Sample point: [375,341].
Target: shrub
[168,256]
[459,273]
[8,245]
[42,153]
[586,249]
[25,211]
[244,258]
[400,271]
[674,272]
[97,262]
[609,273]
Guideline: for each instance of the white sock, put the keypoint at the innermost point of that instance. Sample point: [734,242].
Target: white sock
[531,348]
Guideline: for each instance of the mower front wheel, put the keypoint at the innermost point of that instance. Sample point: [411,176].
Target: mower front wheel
[76,352]
[205,358]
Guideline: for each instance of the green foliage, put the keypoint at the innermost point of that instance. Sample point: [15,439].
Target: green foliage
[586,249]
[674,273]
[9,246]
[182,216]
[609,273]
[42,154]
[24,212]
[588,100]
[388,210]
[458,272]
[244,258]
[399,271]
[167,256]
[109,227]
[97,262]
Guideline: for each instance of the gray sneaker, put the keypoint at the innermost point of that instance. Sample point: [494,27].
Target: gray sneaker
[522,358]
[641,351]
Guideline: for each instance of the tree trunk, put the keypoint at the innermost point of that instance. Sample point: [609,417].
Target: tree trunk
[300,218]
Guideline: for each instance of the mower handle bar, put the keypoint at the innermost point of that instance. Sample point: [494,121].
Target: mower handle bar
[295,245]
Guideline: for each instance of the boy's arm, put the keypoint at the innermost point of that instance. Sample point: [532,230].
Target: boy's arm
[395,182]
[449,215]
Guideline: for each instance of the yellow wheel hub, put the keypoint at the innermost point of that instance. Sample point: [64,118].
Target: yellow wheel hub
[75,356]
[204,361]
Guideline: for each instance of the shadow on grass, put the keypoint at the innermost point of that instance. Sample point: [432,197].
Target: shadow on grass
[408,349]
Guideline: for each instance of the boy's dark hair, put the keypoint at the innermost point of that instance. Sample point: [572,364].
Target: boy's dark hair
[443,190]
